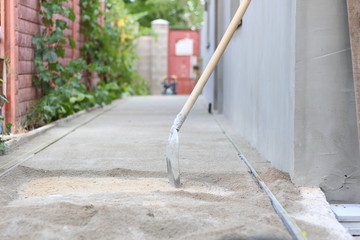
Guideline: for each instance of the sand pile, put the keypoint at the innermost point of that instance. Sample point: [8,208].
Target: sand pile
[98,206]
[41,187]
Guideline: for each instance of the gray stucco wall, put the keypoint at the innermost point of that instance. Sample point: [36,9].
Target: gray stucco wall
[259,79]
[326,143]
[208,47]
[288,89]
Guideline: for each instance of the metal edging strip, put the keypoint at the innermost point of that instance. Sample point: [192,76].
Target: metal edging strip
[45,145]
[294,230]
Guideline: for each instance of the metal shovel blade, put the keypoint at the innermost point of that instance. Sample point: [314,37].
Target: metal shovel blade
[172,158]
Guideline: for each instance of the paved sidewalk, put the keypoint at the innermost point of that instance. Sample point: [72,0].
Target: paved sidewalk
[106,179]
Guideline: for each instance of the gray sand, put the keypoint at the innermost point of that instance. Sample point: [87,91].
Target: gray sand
[107,180]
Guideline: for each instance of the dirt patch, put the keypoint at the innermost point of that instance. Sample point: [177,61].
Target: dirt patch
[120,204]
[280,184]
[40,187]
[272,175]
[95,205]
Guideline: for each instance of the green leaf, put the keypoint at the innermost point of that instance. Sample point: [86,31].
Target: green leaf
[61,24]
[37,40]
[72,43]
[60,51]
[8,128]
[50,56]
[56,36]
[2,146]
[71,15]
[4,99]
[73,99]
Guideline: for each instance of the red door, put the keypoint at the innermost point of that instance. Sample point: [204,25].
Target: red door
[183,56]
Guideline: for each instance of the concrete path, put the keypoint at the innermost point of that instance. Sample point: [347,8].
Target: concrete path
[106,179]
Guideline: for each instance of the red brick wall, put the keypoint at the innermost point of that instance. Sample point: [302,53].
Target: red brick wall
[28,24]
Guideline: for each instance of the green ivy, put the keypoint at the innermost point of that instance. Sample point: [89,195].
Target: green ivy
[7,128]
[66,99]
[49,45]
[108,50]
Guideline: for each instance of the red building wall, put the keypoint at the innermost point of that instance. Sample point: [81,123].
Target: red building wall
[181,60]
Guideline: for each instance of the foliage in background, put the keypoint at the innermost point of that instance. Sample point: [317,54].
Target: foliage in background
[64,99]
[179,13]
[49,45]
[6,129]
[59,83]
[108,50]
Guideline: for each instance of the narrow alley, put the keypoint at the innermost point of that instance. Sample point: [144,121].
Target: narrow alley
[102,175]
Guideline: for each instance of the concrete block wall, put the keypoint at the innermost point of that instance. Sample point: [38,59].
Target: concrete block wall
[159,54]
[143,63]
[152,63]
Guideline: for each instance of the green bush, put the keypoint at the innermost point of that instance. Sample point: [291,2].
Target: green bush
[108,50]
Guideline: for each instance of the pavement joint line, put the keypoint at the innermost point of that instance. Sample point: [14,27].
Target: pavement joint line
[23,138]
[294,230]
[26,156]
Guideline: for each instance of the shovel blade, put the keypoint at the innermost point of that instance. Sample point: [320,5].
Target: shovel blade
[172,158]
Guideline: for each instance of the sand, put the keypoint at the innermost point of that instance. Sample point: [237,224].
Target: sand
[42,187]
[107,180]
[122,205]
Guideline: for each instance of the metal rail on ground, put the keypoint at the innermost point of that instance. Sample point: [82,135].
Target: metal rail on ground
[294,230]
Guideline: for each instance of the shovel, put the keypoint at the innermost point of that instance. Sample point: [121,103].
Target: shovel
[172,149]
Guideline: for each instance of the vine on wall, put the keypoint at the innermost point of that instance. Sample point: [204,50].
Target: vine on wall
[49,45]
[5,128]
[108,50]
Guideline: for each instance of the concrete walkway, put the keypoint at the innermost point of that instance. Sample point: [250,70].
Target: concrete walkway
[106,179]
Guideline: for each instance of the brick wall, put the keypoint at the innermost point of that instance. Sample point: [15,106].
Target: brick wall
[27,25]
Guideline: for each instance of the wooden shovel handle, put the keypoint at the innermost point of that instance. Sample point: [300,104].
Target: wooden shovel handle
[215,58]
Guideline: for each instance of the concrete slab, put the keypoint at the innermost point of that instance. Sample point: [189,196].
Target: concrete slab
[134,138]
[347,212]
[107,180]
